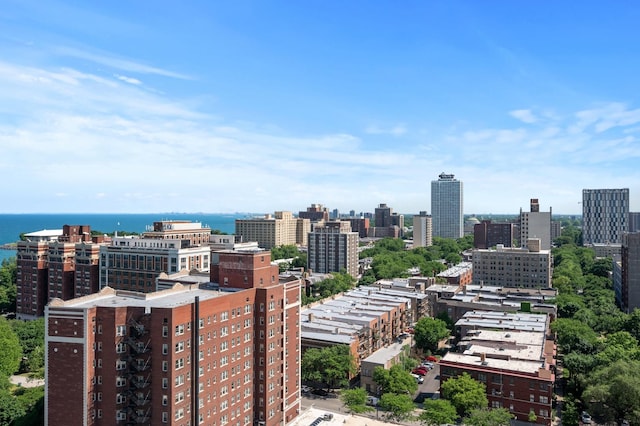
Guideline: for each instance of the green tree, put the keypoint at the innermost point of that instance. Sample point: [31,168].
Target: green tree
[574,335]
[428,332]
[11,352]
[8,286]
[395,380]
[487,417]
[465,393]
[10,408]
[32,402]
[437,412]
[355,399]
[31,336]
[616,389]
[332,365]
[399,406]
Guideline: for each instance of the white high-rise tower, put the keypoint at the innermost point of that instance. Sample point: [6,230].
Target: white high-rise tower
[447,207]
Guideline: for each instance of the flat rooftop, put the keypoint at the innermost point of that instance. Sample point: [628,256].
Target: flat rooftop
[177,296]
[475,361]
[383,355]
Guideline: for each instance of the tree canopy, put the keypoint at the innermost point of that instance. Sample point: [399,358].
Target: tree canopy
[332,365]
[489,417]
[395,380]
[355,399]
[428,332]
[465,393]
[437,412]
[8,288]
[11,352]
[399,406]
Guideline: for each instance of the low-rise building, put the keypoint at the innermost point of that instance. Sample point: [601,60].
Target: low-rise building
[513,355]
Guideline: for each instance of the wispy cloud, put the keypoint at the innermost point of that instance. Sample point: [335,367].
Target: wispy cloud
[126,79]
[125,147]
[116,62]
[524,115]
[396,130]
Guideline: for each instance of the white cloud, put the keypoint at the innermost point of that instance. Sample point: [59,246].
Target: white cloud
[126,79]
[125,147]
[116,62]
[396,130]
[524,115]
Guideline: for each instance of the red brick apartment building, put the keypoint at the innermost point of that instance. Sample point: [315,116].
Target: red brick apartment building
[46,267]
[513,355]
[220,353]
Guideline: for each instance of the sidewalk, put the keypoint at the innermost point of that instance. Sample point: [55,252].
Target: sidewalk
[25,381]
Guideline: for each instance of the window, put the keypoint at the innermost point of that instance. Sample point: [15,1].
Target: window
[179,330]
[179,363]
[165,400]
[224,316]
[180,380]
[179,413]
[544,399]
[121,415]
[121,381]
[121,348]
[165,331]
[179,397]
[165,365]
[179,347]
[165,349]
[121,365]
[121,330]
[165,417]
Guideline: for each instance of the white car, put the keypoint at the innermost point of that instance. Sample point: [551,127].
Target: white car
[419,379]
[585,418]
[372,400]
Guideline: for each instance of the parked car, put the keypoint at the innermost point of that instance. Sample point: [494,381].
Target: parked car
[585,418]
[418,378]
[427,365]
[420,371]
[320,392]
[305,389]
[431,358]
[372,400]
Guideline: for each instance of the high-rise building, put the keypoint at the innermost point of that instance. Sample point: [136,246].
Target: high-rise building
[529,267]
[536,224]
[487,234]
[447,207]
[422,230]
[273,231]
[333,247]
[605,215]
[634,221]
[134,262]
[315,213]
[46,267]
[630,291]
[194,354]
[383,216]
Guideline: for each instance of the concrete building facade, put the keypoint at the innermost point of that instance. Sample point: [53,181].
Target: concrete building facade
[422,230]
[529,267]
[536,224]
[605,215]
[273,231]
[333,247]
[447,207]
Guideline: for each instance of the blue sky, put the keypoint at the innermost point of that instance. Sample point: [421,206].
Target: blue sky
[273,105]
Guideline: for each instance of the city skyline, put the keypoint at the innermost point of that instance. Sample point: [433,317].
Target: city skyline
[257,107]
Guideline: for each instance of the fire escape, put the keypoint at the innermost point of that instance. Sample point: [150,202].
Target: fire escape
[139,372]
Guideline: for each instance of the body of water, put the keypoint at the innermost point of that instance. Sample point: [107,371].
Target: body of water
[12,225]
